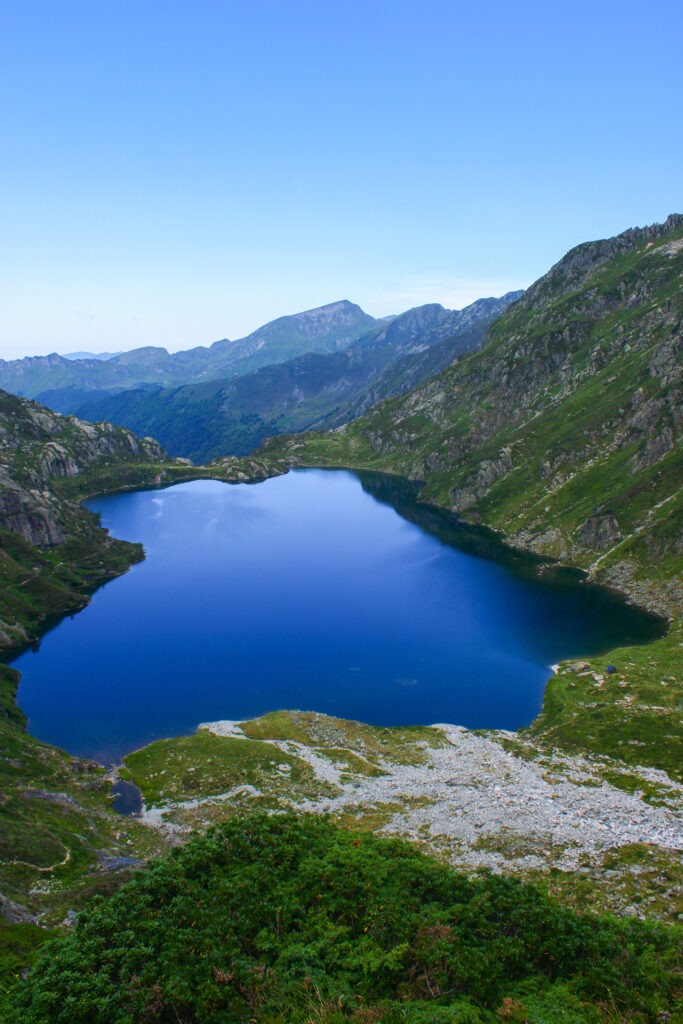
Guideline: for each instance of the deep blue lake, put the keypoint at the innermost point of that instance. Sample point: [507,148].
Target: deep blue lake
[317,590]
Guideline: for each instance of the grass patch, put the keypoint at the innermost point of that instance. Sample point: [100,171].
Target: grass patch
[513,845]
[651,792]
[634,715]
[351,763]
[400,744]
[204,765]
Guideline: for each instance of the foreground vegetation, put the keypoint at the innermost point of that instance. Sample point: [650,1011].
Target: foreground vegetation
[60,841]
[290,919]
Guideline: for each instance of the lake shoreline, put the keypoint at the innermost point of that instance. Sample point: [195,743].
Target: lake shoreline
[375,609]
[539,565]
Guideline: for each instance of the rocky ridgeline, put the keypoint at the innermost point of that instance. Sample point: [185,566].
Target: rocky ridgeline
[580,265]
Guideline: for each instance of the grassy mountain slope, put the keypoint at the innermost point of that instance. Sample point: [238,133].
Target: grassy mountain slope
[206,420]
[60,841]
[564,430]
[64,383]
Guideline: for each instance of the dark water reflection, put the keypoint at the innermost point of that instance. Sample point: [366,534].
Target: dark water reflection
[309,591]
[127,798]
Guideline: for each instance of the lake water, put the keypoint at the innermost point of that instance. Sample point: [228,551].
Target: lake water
[316,590]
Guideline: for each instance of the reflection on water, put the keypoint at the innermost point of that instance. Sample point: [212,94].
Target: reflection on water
[312,591]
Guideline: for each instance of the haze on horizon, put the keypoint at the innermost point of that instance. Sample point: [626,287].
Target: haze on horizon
[174,176]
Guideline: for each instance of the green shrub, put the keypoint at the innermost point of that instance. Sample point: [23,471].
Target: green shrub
[291,919]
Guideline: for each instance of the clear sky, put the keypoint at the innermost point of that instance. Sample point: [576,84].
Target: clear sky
[173,173]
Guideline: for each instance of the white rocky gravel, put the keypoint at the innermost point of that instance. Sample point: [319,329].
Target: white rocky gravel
[490,808]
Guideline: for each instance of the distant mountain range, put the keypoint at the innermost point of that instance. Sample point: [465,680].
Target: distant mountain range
[205,420]
[90,355]
[314,369]
[63,383]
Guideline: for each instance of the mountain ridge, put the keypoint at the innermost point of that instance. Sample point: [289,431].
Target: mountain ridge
[207,419]
[324,328]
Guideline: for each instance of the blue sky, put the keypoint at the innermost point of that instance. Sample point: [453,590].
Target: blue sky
[175,173]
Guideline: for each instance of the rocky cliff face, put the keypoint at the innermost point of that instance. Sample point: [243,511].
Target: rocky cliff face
[38,447]
[33,514]
[52,551]
[565,429]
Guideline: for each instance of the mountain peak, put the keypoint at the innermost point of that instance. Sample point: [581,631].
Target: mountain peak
[329,327]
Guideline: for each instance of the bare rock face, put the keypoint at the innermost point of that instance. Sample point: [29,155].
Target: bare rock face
[247,470]
[599,532]
[44,458]
[12,634]
[488,473]
[38,447]
[14,913]
[55,461]
[34,515]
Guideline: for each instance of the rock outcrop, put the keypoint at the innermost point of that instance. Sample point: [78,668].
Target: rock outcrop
[38,447]
[46,461]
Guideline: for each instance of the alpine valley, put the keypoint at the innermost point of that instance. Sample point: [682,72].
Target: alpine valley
[552,417]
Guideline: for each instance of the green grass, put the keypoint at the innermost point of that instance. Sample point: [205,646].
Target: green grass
[55,815]
[206,765]
[55,818]
[634,715]
[400,744]
[351,764]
